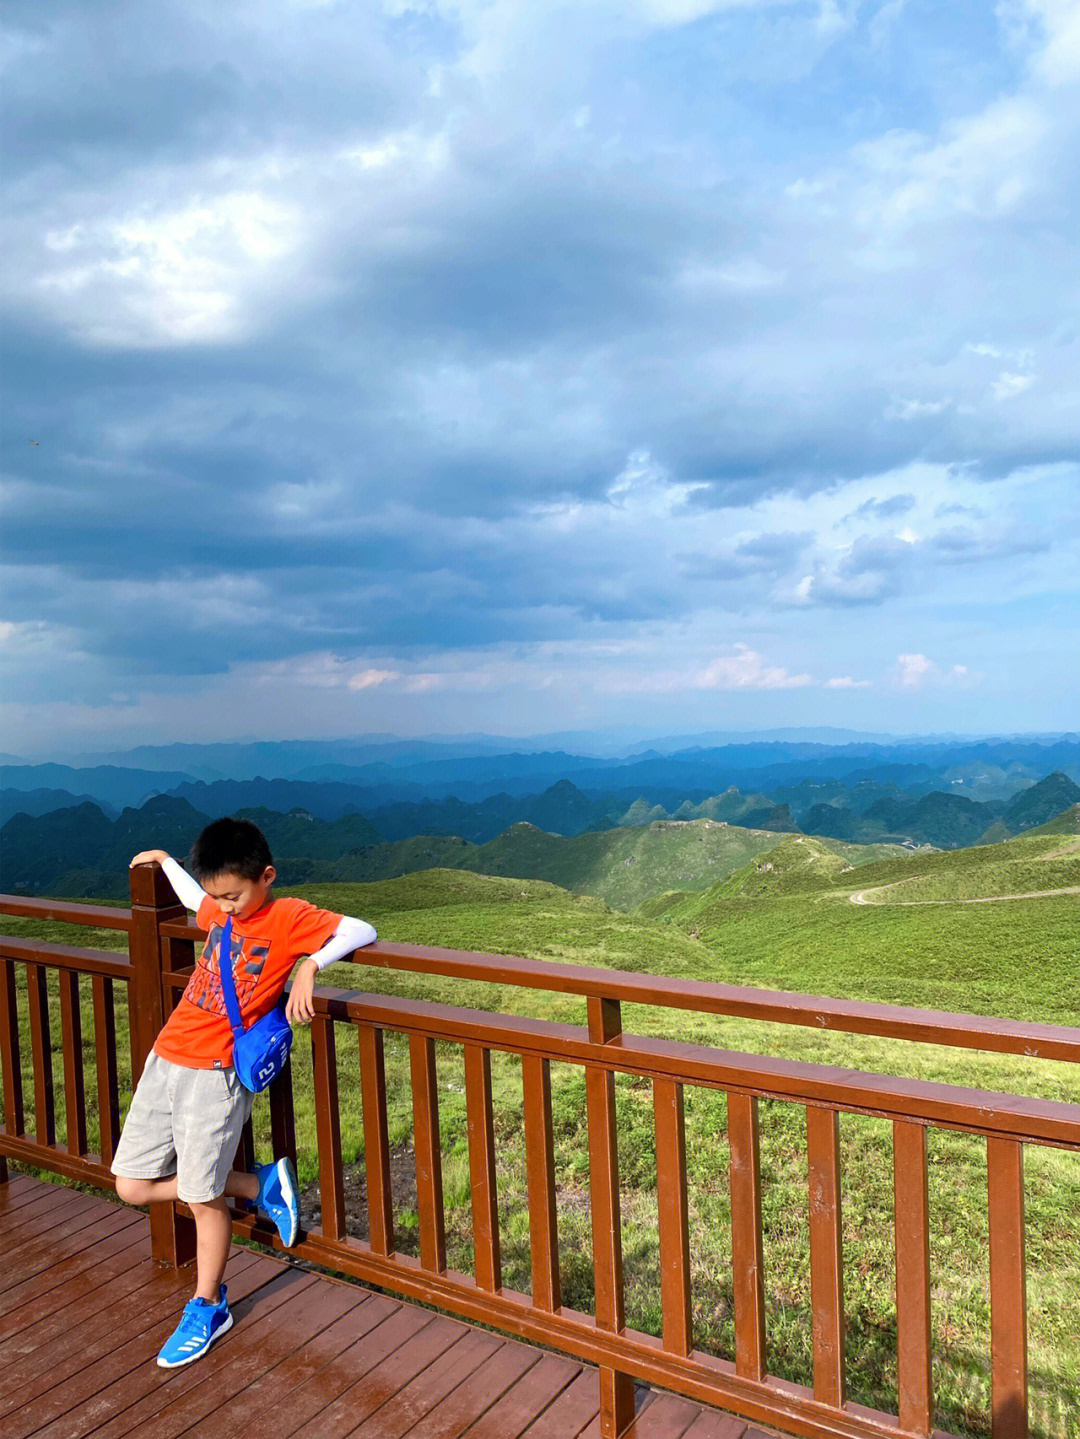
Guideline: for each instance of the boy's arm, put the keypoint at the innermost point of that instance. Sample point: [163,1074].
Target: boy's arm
[188,891]
[350,934]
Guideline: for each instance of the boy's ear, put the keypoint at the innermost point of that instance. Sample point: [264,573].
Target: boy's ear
[269,874]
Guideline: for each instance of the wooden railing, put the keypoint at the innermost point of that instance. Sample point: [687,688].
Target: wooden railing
[161,940]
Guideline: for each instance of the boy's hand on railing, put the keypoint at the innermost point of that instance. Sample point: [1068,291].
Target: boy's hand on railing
[299,1008]
[149,856]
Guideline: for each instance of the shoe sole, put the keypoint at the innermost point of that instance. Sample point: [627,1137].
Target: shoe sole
[179,1363]
[288,1193]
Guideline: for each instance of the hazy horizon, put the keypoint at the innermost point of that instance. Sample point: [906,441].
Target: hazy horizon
[624,742]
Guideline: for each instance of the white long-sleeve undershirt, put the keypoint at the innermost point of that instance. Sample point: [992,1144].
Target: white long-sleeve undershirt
[350,934]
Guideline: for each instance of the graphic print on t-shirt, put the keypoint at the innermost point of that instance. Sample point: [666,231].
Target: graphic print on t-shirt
[248,957]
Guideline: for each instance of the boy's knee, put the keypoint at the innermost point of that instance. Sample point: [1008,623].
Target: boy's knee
[220,1204]
[129,1190]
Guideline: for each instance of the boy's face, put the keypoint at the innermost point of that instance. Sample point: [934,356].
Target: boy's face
[238,896]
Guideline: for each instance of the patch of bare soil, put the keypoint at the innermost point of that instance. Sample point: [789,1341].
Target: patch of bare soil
[402,1187]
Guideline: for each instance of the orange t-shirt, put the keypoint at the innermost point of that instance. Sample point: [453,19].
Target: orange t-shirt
[265,946]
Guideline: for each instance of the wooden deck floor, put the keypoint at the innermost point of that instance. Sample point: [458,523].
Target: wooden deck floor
[83,1312]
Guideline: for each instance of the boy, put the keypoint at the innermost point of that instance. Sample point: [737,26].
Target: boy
[188,1110]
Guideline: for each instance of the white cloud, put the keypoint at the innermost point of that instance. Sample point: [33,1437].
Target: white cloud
[845,682]
[1007,385]
[916,671]
[162,275]
[369,678]
[747,670]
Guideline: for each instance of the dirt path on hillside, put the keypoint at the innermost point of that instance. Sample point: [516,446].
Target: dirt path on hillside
[860,897]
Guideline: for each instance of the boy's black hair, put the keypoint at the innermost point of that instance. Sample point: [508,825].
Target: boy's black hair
[230,846]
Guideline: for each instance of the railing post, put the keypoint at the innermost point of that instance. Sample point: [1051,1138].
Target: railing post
[616,1388]
[172,1235]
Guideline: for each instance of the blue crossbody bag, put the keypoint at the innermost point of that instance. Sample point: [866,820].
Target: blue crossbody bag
[261,1052]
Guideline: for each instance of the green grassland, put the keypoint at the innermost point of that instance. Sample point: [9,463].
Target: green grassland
[783,919]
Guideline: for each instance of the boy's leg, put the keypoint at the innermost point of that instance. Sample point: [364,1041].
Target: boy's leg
[238,1185]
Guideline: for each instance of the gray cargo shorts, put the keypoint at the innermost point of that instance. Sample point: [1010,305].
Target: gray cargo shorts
[185,1122]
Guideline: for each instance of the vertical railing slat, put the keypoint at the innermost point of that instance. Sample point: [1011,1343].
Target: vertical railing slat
[328,1126]
[540,1167]
[41,1052]
[616,1388]
[912,1222]
[245,1150]
[826,1253]
[747,1250]
[108,1088]
[429,1191]
[10,1062]
[673,1215]
[71,1046]
[487,1261]
[282,1115]
[1008,1288]
[376,1139]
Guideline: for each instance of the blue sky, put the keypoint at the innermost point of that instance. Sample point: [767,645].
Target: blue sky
[486,366]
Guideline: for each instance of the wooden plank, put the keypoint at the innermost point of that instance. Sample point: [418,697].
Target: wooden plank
[747,1249]
[528,1397]
[277,1322]
[160,1297]
[299,1356]
[710,1425]
[110,1257]
[364,1394]
[17,1189]
[826,1261]
[912,1223]
[1008,1289]
[616,1388]
[453,1415]
[108,1090]
[662,1416]
[94,1316]
[123,1389]
[572,1412]
[345,1377]
[428,1153]
[405,1412]
[487,1263]
[328,1127]
[10,1066]
[109,1235]
[672,1215]
[71,1045]
[540,1168]
[376,1139]
[37,996]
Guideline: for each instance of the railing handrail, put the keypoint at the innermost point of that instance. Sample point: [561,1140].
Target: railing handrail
[946,1106]
[71,957]
[100,916]
[988,1033]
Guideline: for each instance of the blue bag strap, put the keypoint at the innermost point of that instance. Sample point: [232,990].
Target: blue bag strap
[228,987]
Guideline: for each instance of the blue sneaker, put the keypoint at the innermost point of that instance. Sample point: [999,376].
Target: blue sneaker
[277,1197]
[199,1326]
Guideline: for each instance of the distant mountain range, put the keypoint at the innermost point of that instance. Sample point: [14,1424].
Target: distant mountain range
[562,835]
[331,778]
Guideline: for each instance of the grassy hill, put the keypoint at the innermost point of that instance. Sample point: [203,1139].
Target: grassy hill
[623,866]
